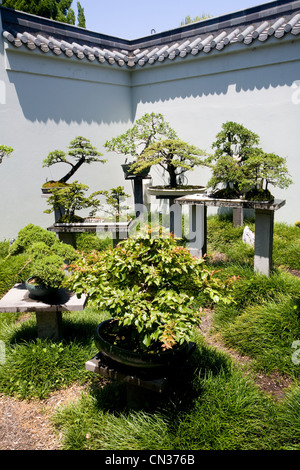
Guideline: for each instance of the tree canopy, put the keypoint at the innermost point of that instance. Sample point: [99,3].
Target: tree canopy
[59,10]
[188,19]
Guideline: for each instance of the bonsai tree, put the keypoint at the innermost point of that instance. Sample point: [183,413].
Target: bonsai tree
[115,201]
[150,287]
[5,151]
[243,167]
[73,198]
[261,170]
[148,129]
[80,151]
[174,156]
[47,257]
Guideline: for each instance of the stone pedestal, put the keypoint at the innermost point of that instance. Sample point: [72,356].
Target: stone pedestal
[48,315]
[67,232]
[264,224]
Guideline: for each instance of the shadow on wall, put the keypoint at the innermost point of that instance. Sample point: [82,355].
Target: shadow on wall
[202,79]
[44,99]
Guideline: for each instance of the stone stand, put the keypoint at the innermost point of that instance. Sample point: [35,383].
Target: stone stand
[198,230]
[48,314]
[140,393]
[264,223]
[264,226]
[49,325]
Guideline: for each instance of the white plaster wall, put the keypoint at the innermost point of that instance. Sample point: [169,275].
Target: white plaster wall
[257,88]
[48,102]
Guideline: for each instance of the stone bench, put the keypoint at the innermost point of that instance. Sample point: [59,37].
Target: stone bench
[48,315]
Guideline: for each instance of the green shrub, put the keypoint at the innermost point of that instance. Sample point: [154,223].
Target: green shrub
[88,242]
[29,235]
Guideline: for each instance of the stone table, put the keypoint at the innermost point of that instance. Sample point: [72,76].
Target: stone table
[264,225]
[48,315]
[67,232]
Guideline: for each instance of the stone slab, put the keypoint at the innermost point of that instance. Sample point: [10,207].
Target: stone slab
[18,299]
[239,203]
[98,227]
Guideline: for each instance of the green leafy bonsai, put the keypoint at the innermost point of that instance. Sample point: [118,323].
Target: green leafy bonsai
[148,129]
[5,151]
[244,168]
[47,257]
[150,287]
[73,198]
[80,151]
[114,199]
[174,156]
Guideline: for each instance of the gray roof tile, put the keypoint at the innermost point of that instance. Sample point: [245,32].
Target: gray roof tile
[277,19]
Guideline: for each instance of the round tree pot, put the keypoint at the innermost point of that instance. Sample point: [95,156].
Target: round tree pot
[140,363]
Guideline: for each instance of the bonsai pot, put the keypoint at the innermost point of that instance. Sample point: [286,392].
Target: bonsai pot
[130,174]
[145,364]
[40,291]
[176,192]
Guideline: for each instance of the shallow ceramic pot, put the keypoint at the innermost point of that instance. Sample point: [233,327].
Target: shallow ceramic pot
[40,291]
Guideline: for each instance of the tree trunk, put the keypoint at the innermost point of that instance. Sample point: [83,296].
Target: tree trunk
[172,174]
[72,171]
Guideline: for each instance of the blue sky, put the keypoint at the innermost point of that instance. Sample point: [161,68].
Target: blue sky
[131,19]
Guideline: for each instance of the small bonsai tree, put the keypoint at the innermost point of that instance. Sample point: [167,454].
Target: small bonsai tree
[80,150]
[243,167]
[5,151]
[174,156]
[148,129]
[47,257]
[73,198]
[114,199]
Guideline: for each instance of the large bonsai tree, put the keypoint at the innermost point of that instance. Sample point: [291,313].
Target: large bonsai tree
[243,167]
[80,151]
[174,156]
[5,151]
[151,141]
[148,129]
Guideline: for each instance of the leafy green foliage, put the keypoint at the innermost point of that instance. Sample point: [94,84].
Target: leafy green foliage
[59,10]
[80,150]
[114,199]
[243,167]
[73,198]
[149,284]
[174,156]
[45,257]
[148,129]
[5,151]
[189,20]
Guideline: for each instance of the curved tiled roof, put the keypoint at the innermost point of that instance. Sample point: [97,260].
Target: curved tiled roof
[258,24]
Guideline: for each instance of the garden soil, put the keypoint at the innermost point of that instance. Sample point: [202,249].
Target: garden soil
[26,425]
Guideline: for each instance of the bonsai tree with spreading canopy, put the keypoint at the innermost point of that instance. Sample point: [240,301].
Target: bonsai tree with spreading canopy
[148,129]
[80,151]
[173,155]
[5,151]
[151,141]
[244,168]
